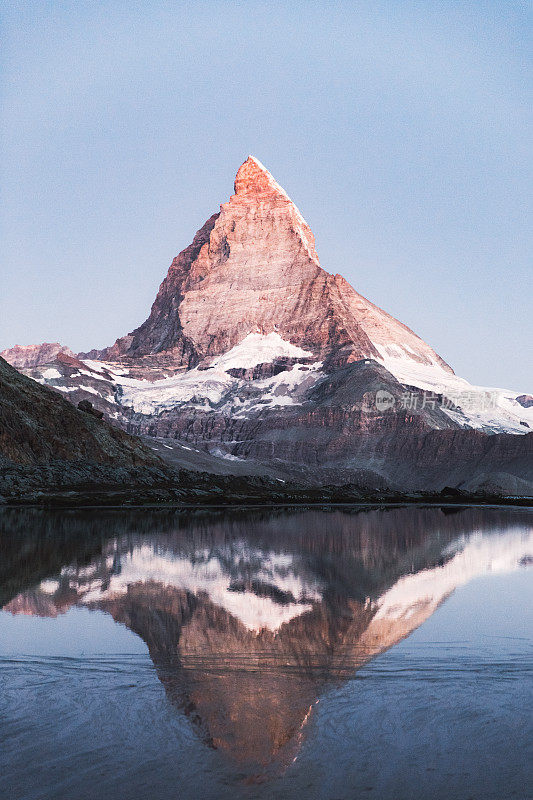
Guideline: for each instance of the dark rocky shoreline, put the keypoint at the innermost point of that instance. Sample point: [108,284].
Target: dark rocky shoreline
[189,489]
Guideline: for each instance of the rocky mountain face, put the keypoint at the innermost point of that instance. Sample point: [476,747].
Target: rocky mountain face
[252,268]
[253,353]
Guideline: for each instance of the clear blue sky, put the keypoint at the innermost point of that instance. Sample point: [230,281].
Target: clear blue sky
[398,128]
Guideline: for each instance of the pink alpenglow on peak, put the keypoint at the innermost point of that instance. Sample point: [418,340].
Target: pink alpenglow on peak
[253,266]
[254,178]
[255,187]
[252,352]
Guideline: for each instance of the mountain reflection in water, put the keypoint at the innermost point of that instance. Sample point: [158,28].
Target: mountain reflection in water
[249,617]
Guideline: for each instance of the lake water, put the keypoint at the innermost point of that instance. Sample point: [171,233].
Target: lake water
[326,653]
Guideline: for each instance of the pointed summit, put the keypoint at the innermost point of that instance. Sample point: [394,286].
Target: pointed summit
[254,184]
[253,178]
[253,267]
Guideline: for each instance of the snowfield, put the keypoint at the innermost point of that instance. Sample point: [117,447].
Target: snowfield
[199,388]
[205,572]
[485,408]
[211,386]
[258,348]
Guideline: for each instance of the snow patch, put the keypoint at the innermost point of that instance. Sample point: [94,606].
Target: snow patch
[214,387]
[258,348]
[287,388]
[203,388]
[89,389]
[208,572]
[480,555]
[96,366]
[228,456]
[489,409]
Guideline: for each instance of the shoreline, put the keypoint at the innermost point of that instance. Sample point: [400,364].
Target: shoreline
[83,503]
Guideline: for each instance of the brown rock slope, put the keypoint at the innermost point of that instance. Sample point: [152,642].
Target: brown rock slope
[44,439]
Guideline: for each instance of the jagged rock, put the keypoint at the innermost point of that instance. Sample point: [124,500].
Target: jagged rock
[525,400]
[33,355]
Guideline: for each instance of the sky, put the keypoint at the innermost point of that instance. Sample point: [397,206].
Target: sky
[400,130]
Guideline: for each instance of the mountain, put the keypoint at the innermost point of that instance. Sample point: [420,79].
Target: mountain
[253,353]
[33,355]
[253,269]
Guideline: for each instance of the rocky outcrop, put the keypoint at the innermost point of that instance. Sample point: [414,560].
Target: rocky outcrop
[88,408]
[525,400]
[33,355]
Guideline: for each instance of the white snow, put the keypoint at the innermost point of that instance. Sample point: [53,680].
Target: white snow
[49,586]
[202,388]
[89,389]
[479,555]
[284,389]
[258,348]
[490,409]
[205,388]
[208,573]
[96,366]
[291,379]
[484,408]
[228,456]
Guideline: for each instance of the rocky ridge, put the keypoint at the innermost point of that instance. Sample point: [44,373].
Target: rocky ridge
[34,355]
[44,440]
[253,267]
